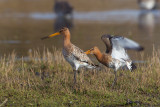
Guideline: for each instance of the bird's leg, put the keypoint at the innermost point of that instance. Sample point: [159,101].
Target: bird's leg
[115,79]
[75,77]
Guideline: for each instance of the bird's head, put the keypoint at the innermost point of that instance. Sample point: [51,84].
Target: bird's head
[64,32]
[92,50]
[106,38]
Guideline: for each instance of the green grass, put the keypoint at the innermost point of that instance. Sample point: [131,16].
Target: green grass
[46,79]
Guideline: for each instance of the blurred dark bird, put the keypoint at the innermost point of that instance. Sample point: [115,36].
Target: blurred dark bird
[61,22]
[116,56]
[73,55]
[148,4]
[62,8]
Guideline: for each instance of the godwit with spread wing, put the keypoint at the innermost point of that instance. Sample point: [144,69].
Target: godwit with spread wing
[116,55]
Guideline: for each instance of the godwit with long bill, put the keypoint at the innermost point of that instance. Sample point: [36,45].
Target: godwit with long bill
[116,55]
[73,55]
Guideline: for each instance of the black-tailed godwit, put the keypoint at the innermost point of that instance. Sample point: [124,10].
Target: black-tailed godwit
[73,55]
[115,56]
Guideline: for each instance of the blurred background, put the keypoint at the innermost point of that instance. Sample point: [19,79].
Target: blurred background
[24,22]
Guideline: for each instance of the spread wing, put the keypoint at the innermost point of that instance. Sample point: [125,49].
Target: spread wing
[128,44]
[125,43]
[118,51]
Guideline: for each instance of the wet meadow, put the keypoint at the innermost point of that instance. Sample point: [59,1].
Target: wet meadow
[34,73]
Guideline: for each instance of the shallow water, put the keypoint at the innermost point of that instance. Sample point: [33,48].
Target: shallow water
[22,32]
[114,16]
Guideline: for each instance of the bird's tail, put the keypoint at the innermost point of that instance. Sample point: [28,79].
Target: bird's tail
[93,66]
[133,66]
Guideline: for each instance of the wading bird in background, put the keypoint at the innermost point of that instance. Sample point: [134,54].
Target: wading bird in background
[147,22]
[73,55]
[115,56]
[61,22]
[64,12]
[62,8]
[148,4]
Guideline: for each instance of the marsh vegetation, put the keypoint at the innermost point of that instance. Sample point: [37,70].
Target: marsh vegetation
[47,79]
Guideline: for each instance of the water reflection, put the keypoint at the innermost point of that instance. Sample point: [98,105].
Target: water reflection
[115,16]
[13,42]
[147,22]
[63,22]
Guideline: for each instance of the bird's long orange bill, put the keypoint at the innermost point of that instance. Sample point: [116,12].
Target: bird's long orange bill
[57,33]
[87,52]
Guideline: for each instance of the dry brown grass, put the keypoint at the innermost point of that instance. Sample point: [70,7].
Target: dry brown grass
[46,78]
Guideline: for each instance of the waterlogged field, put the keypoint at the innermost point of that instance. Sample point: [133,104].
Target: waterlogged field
[46,79]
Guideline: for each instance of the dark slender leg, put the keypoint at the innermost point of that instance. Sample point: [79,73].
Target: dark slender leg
[75,76]
[115,79]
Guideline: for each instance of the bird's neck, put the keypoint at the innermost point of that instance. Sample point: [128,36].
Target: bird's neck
[66,40]
[108,48]
[98,55]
